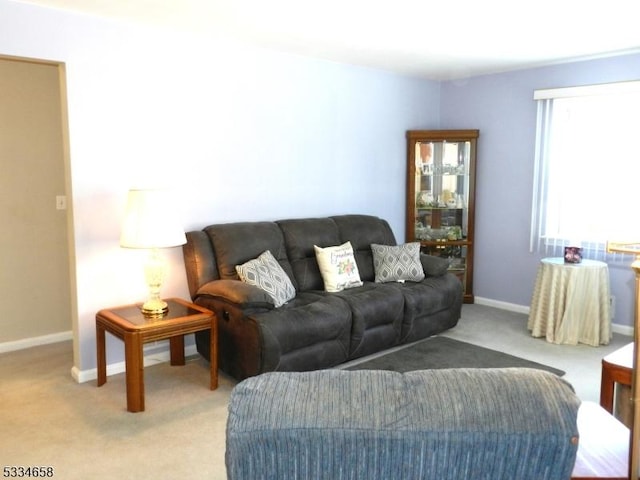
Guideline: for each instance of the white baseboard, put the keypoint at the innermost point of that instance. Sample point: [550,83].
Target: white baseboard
[622,329]
[152,358]
[35,341]
[512,307]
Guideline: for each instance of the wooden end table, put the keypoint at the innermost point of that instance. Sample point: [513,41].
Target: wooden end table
[129,325]
[616,368]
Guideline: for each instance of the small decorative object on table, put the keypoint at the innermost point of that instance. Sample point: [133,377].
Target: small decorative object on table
[572,254]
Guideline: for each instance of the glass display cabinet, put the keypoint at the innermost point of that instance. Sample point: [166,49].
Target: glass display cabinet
[441,197]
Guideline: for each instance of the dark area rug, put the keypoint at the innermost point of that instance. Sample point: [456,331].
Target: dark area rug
[443,352]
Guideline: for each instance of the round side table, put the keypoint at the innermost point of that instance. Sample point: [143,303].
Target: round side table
[570,302]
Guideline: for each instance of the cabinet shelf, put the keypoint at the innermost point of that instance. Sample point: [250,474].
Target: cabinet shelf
[441,171]
[443,243]
[445,174]
[440,208]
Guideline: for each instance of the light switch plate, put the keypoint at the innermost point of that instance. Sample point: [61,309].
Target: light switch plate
[61,202]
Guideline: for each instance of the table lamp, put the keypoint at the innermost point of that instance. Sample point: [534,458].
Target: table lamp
[633,248]
[150,223]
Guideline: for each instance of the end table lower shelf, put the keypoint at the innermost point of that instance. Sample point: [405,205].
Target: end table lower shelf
[129,325]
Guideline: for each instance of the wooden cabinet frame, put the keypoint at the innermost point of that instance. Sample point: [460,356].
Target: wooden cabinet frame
[440,218]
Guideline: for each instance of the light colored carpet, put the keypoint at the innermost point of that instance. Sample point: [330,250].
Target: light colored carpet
[507,332]
[46,419]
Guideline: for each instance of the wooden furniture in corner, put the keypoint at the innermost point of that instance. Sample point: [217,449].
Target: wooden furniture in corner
[441,177]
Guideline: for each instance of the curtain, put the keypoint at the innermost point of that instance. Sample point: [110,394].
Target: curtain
[587,168]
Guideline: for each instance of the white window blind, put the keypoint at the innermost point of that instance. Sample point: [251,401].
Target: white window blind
[587,172]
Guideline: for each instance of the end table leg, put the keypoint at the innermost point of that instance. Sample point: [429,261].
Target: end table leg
[134,365]
[214,352]
[176,350]
[101,357]
[606,389]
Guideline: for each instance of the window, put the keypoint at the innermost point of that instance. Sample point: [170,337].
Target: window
[587,182]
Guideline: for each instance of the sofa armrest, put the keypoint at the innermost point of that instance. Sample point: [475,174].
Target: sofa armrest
[434,266]
[237,292]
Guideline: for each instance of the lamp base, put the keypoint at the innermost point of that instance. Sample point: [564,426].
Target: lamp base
[155,308]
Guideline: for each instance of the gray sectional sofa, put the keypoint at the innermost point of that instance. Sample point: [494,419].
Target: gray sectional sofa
[315,329]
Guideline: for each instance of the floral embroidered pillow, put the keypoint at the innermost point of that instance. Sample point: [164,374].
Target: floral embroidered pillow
[338,267]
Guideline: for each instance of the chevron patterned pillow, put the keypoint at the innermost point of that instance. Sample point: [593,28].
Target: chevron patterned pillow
[397,263]
[266,273]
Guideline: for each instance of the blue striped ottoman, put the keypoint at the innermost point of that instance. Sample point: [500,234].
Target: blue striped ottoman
[511,424]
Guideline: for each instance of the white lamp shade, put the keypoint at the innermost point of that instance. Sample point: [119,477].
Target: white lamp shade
[150,221]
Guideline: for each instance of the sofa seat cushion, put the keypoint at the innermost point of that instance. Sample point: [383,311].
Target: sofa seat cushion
[376,317]
[312,331]
[378,425]
[424,300]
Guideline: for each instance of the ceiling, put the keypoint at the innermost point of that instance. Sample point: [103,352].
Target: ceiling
[443,39]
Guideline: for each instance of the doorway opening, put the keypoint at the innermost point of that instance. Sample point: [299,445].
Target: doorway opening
[37,281]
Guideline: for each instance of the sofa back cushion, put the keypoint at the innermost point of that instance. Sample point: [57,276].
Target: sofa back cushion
[362,231]
[291,243]
[300,235]
[237,243]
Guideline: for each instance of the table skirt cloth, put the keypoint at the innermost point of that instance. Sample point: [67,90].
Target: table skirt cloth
[571,303]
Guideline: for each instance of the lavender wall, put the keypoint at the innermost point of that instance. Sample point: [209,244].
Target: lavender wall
[244,134]
[502,107]
[238,133]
